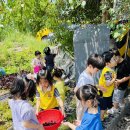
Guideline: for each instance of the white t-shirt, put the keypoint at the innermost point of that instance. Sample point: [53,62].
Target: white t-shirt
[84,79]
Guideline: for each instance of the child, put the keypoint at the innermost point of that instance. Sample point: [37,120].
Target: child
[87,94]
[94,63]
[37,62]
[57,74]
[107,80]
[49,59]
[23,115]
[48,96]
[123,76]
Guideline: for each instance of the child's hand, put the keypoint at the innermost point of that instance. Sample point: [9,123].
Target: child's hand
[102,88]
[36,112]
[63,112]
[115,76]
[117,82]
[65,123]
[41,127]
[77,122]
[30,76]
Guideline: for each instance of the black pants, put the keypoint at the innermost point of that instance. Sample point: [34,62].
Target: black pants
[57,108]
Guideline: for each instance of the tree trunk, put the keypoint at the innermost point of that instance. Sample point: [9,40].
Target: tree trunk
[105,14]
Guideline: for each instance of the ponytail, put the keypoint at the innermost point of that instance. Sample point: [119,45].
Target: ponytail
[88,92]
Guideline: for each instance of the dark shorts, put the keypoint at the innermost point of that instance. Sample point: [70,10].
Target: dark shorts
[105,103]
[57,108]
[49,68]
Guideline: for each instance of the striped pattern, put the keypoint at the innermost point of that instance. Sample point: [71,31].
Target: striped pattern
[123,44]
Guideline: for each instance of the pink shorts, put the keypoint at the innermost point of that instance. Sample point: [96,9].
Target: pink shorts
[37,69]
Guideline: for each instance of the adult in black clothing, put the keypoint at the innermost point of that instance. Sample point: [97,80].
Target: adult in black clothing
[49,59]
[123,76]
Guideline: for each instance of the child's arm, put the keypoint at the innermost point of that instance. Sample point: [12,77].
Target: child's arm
[37,102]
[29,125]
[101,88]
[73,127]
[109,80]
[59,100]
[119,81]
[33,63]
[75,89]
[37,105]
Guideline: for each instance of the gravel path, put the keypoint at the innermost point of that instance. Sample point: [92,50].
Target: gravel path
[124,123]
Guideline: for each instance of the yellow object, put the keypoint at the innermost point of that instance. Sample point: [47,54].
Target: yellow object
[61,88]
[126,28]
[47,100]
[42,33]
[102,82]
[123,49]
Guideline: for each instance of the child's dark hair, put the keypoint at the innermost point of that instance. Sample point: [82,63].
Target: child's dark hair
[115,51]
[47,50]
[108,56]
[23,88]
[57,72]
[88,92]
[44,74]
[37,53]
[96,61]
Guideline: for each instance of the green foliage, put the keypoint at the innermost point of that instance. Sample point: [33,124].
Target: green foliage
[80,12]
[31,16]
[117,11]
[5,116]
[18,51]
[62,127]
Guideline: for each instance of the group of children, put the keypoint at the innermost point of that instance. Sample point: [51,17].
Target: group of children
[112,85]
[47,63]
[49,94]
[92,102]
[114,78]
[111,89]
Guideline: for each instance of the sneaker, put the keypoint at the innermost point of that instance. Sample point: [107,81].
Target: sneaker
[112,111]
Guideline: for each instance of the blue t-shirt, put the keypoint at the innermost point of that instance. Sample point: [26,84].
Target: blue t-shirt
[90,122]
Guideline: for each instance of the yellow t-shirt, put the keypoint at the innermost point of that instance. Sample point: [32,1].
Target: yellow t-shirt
[106,76]
[61,88]
[47,99]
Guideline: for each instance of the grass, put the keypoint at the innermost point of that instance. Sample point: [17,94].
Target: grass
[17,52]
[5,116]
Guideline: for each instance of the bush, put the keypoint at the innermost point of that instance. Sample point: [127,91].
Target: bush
[5,116]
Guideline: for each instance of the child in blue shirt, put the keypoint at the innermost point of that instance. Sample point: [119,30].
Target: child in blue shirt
[91,119]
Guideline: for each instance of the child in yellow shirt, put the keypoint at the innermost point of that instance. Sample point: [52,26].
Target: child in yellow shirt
[107,80]
[48,96]
[57,74]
